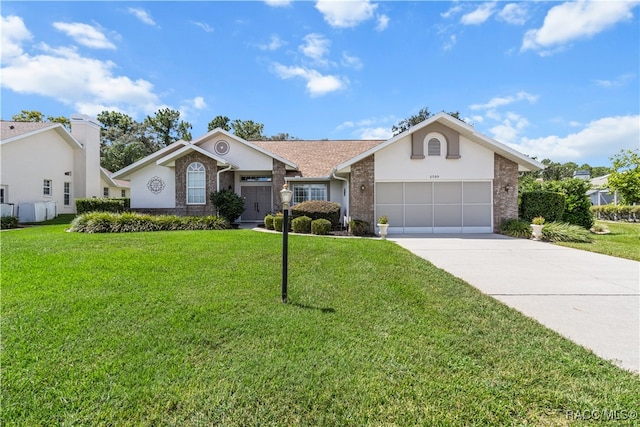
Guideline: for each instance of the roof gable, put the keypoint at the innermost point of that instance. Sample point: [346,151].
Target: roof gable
[16,131]
[189,148]
[524,162]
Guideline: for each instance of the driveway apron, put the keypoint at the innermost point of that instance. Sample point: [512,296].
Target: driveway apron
[592,299]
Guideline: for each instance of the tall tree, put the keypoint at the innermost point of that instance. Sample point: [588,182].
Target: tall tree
[37,116]
[248,130]
[422,115]
[166,124]
[221,122]
[123,141]
[625,177]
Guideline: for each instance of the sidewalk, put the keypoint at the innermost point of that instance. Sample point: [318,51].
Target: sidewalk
[592,299]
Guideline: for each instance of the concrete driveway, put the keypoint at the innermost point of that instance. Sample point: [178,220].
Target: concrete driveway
[592,299]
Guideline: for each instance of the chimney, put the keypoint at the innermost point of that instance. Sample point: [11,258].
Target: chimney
[86,182]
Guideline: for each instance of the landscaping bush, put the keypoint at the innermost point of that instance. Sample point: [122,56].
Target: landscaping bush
[301,224]
[268,222]
[101,205]
[515,228]
[229,204]
[617,212]
[7,222]
[110,222]
[577,209]
[278,220]
[358,227]
[547,204]
[320,226]
[565,232]
[318,209]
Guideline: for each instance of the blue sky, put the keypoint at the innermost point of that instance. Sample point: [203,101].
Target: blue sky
[555,80]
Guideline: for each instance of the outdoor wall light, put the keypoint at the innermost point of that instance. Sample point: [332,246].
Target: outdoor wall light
[285,197]
[507,188]
[362,187]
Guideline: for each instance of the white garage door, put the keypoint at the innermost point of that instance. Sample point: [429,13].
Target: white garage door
[436,207]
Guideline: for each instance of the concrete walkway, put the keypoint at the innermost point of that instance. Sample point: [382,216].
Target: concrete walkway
[592,299]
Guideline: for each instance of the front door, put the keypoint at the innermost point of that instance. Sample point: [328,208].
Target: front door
[257,203]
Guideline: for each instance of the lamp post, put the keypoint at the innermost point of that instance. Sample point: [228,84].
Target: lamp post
[285,196]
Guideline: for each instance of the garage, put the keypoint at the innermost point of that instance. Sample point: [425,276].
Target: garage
[436,206]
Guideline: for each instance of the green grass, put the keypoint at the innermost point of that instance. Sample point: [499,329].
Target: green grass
[622,242]
[187,328]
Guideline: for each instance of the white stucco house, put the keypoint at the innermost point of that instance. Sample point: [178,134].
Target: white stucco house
[44,167]
[438,176]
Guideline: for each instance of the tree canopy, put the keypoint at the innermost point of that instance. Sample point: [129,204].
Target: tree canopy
[625,177]
[37,116]
[422,115]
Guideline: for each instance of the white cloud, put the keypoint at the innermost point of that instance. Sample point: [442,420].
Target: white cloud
[316,47]
[514,13]
[13,33]
[606,136]
[198,103]
[450,42]
[376,133]
[371,128]
[86,84]
[317,84]
[351,61]
[383,23]
[205,27]
[617,82]
[510,128]
[576,20]
[453,11]
[478,16]
[275,43]
[278,3]
[346,14]
[505,100]
[142,15]
[84,34]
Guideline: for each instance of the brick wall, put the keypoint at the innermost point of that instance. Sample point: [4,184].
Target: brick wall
[211,168]
[361,200]
[279,172]
[505,203]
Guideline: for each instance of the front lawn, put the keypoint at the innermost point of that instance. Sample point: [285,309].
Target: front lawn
[187,328]
[622,242]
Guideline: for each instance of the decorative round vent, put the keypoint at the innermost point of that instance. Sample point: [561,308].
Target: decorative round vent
[221,147]
[156,185]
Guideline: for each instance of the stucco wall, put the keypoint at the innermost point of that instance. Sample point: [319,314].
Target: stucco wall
[143,197]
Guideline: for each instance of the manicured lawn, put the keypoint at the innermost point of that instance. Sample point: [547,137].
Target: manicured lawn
[622,242]
[187,328]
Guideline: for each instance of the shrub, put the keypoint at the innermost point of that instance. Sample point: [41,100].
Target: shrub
[7,222]
[301,224]
[229,204]
[515,228]
[578,205]
[268,222]
[358,227]
[317,209]
[110,222]
[547,204]
[278,220]
[565,232]
[320,226]
[101,205]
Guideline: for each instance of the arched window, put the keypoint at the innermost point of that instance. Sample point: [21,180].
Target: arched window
[433,147]
[196,184]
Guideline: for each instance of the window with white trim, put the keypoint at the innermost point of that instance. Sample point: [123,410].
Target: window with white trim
[47,187]
[433,147]
[67,193]
[196,184]
[306,192]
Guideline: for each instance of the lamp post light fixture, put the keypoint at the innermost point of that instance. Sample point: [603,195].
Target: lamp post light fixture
[285,196]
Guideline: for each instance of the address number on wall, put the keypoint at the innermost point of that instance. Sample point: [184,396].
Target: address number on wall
[434,176]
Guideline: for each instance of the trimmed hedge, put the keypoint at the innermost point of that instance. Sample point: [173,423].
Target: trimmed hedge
[358,227]
[320,226]
[301,224]
[268,222]
[617,212]
[547,204]
[127,222]
[318,209]
[7,222]
[120,204]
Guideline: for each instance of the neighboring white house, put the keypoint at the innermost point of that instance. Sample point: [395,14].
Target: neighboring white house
[43,164]
[600,194]
[113,187]
[438,176]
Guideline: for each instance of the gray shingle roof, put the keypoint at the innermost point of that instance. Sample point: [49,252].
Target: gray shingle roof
[12,129]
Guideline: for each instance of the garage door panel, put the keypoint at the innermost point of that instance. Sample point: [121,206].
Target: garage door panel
[389,193]
[447,193]
[477,216]
[394,213]
[477,192]
[447,216]
[418,193]
[418,216]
